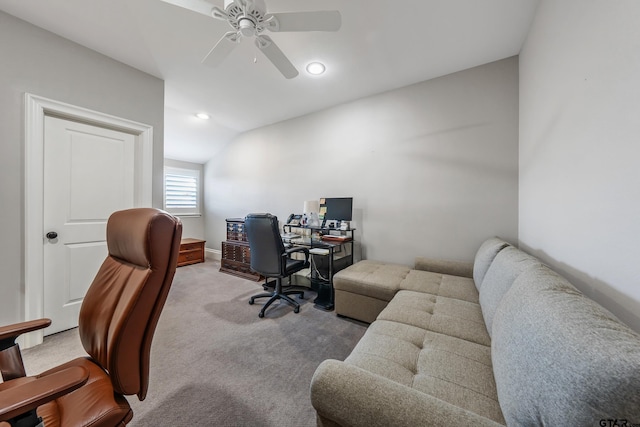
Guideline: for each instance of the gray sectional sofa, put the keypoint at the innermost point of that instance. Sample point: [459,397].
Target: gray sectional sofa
[502,341]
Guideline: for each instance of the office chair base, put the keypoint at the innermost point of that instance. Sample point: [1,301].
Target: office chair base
[282,295]
[270,286]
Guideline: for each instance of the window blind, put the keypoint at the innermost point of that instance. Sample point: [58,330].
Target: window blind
[181,191]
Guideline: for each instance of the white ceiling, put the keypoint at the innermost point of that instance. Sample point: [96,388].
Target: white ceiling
[382,45]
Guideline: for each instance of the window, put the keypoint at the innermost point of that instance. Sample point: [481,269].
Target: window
[182,191]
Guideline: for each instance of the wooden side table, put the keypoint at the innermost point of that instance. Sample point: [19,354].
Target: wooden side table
[191,251]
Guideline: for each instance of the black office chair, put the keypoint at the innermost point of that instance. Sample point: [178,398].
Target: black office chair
[270,258]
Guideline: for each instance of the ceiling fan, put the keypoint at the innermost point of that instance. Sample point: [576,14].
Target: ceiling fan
[249,19]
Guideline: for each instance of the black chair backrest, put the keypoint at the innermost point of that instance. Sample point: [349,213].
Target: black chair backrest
[265,244]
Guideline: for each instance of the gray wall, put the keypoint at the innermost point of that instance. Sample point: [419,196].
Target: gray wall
[580,147]
[432,167]
[39,62]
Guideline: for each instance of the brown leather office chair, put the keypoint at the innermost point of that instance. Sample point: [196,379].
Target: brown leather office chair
[116,325]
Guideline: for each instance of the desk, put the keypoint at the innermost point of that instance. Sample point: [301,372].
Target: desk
[331,250]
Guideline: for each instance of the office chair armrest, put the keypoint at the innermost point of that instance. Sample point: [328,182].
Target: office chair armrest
[288,252]
[11,365]
[22,398]
[9,333]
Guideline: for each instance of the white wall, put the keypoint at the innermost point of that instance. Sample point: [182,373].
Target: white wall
[580,147]
[192,226]
[39,62]
[432,167]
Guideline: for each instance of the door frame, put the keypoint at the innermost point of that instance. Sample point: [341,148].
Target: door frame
[36,108]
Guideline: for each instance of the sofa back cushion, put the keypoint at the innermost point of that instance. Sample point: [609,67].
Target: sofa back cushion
[484,257]
[505,268]
[561,359]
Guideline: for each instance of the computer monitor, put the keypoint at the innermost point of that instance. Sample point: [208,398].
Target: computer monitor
[337,208]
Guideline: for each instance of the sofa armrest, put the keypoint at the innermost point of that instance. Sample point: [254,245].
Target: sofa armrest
[452,268]
[350,396]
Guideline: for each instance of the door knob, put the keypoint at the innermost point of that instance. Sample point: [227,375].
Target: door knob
[52,235]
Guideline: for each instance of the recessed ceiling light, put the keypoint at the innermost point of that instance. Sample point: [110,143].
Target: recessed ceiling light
[316,68]
[203,116]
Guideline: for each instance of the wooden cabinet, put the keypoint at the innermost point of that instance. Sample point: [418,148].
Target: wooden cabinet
[236,256]
[191,251]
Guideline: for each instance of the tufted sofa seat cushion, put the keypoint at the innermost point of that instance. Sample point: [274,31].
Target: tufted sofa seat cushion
[457,318]
[444,285]
[450,369]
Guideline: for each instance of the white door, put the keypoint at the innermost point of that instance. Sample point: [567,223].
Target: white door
[88,174]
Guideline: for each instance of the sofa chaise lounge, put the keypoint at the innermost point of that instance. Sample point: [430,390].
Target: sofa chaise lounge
[502,341]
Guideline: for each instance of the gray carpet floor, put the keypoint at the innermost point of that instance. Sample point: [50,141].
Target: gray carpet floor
[215,363]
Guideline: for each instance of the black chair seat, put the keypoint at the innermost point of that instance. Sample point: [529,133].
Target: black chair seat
[294,265]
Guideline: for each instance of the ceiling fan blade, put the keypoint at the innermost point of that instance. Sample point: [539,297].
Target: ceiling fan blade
[222,49]
[218,13]
[275,55]
[198,6]
[325,20]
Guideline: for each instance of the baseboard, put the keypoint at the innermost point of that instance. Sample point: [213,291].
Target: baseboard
[212,254]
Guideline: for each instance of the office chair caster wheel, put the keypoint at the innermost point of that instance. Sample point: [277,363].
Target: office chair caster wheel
[296,310]
[251,301]
[261,315]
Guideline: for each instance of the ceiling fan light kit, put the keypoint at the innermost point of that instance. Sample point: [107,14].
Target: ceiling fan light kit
[249,19]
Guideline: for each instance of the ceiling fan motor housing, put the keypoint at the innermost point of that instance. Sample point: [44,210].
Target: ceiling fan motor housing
[246,16]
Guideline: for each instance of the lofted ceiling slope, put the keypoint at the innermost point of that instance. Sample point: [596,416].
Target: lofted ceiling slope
[382,45]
